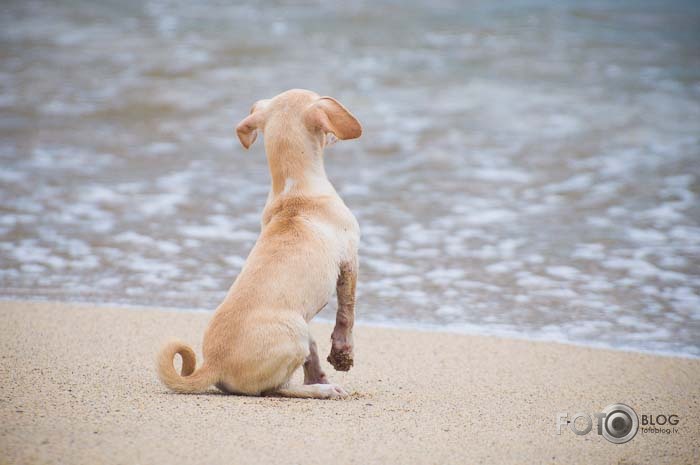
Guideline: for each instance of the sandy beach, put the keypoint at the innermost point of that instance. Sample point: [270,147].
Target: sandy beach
[78,387]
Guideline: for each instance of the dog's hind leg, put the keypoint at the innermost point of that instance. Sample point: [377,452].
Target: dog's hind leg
[313,374]
[310,391]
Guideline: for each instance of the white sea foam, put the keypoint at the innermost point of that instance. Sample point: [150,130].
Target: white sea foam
[494,197]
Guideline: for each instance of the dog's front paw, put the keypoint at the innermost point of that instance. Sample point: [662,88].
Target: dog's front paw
[341,357]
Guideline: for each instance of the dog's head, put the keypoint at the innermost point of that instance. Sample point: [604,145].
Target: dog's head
[298,116]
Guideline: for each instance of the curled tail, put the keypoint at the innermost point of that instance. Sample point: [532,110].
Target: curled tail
[189,381]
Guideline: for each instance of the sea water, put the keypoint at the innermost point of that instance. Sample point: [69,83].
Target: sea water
[527,168]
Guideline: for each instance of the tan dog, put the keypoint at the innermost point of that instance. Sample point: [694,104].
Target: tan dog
[307,248]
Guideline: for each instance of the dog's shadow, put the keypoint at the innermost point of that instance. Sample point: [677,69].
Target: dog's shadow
[271,397]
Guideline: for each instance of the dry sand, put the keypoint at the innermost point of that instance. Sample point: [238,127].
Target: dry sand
[78,387]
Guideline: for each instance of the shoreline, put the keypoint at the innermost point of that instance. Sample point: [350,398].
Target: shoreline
[474,330]
[79,386]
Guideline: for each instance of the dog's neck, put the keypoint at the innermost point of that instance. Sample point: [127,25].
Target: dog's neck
[297,167]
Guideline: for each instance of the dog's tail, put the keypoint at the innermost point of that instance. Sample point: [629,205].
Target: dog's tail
[189,381]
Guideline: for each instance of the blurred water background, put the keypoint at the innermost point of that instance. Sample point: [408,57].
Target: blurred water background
[527,168]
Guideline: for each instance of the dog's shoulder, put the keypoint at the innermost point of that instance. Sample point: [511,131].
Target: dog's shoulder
[327,213]
[291,208]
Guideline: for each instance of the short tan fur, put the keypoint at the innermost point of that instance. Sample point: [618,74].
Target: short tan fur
[307,248]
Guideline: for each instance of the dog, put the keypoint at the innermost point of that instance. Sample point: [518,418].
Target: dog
[307,248]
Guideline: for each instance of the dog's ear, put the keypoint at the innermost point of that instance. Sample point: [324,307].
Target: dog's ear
[330,116]
[247,130]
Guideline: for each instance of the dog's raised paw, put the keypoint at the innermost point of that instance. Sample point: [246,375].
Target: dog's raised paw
[341,360]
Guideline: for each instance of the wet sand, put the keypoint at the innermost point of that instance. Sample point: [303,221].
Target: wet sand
[78,386]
